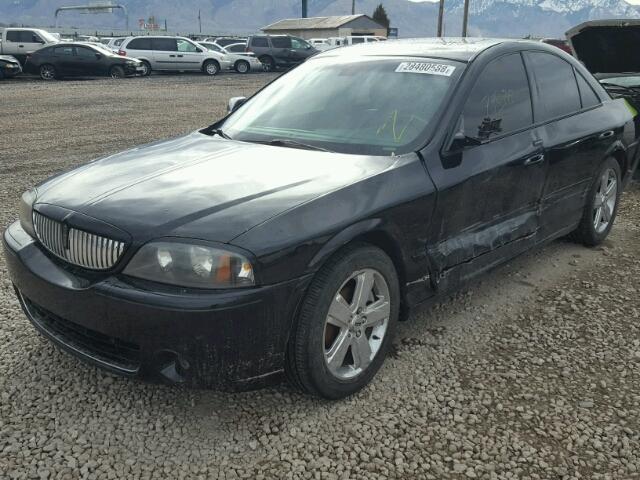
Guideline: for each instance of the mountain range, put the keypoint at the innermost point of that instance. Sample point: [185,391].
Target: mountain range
[509,18]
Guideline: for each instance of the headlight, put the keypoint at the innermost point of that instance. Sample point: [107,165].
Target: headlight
[26,211]
[188,265]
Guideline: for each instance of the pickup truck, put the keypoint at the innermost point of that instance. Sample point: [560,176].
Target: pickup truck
[20,42]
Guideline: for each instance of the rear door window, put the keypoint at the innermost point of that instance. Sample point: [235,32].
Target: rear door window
[556,86]
[61,51]
[500,101]
[165,44]
[85,52]
[13,36]
[281,42]
[140,44]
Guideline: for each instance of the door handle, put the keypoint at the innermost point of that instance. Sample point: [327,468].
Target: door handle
[538,143]
[172,56]
[607,134]
[534,160]
[20,46]
[180,56]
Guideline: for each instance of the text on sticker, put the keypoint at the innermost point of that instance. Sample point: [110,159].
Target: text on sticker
[428,68]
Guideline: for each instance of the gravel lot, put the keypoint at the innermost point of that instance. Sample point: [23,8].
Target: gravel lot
[531,373]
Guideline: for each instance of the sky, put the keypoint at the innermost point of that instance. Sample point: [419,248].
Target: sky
[634,2]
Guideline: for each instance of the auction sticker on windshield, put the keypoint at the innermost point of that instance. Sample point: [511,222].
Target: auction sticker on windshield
[425,67]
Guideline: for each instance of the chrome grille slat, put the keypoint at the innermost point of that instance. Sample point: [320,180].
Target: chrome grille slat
[84,249]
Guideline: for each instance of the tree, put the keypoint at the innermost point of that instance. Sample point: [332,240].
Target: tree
[381,17]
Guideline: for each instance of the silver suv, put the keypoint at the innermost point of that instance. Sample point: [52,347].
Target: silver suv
[174,54]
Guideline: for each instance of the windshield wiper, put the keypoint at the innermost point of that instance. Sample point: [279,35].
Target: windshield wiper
[220,133]
[280,142]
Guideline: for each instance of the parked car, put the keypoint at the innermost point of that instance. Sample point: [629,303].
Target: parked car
[290,235]
[21,42]
[237,48]
[320,44]
[280,50]
[224,41]
[173,54]
[72,59]
[240,62]
[113,43]
[559,43]
[9,67]
[603,46]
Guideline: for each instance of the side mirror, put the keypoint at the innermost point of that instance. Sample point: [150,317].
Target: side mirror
[460,141]
[199,50]
[235,103]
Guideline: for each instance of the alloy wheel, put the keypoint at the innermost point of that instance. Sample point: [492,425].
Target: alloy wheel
[242,67]
[47,72]
[356,324]
[605,201]
[212,68]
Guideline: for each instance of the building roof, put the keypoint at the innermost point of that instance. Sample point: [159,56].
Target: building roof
[462,49]
[314,23]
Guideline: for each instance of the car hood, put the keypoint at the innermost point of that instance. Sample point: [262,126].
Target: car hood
[605,46]
[200,186]
[8,58]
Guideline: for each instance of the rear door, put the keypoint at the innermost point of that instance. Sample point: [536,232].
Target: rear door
[64,61]
[165,53]
[282,51]
[490,178]
[575,135]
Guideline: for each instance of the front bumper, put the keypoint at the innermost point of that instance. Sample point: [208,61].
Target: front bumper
[11,69]
[233,339]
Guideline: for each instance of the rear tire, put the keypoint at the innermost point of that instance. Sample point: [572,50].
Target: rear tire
[48,72]
[242,66]
[147,68]
[268,63]
[116,72]
[601,207]
[335,355]
[211,67]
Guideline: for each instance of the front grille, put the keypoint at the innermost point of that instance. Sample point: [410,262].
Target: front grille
[77,246]
[115,354]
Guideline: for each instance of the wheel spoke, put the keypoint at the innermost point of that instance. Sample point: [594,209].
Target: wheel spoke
[607,212]
[612,189]
[603,183]
[337,352]
[364,285]
[339,312]
[377,312]
[597,218]
[361,352]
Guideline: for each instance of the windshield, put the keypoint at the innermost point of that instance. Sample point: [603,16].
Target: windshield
[371,105]
[46,36]
[103,48]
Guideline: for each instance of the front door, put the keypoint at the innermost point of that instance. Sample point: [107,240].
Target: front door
[88,63]
[489,179]
[189,55]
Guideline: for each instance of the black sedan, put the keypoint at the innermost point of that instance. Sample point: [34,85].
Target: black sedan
[9,67]
[292,235]
[80,60]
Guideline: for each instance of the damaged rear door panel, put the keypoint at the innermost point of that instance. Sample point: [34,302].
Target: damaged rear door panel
[490,177]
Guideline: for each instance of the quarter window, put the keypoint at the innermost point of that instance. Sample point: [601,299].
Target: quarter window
[588,96]
[139,44]
[63,51]
[259,42]
[556,85]
[500,101]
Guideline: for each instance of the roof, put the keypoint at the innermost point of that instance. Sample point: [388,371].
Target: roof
[462,49]
[314,23]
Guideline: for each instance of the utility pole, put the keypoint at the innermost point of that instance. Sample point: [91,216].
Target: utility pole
[353,7]
[465,20]
[304,8]
[199,21]
[440,18]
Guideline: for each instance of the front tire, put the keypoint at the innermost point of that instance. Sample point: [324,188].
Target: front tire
[602,205]
[268,63]
[346,324]
[242,66]
[48,72]
[211,67]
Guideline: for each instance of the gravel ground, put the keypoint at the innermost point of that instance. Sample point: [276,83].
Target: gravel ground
[531,373]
